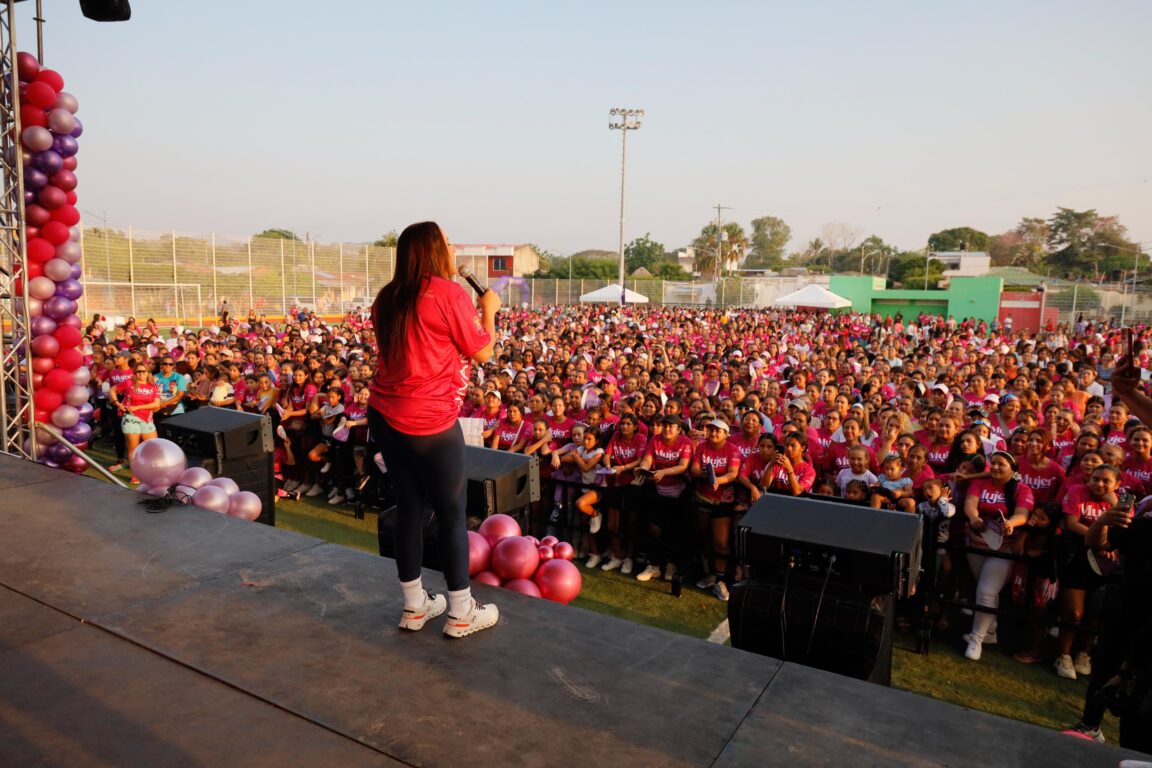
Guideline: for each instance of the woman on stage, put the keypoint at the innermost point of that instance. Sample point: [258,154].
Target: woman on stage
[426,327]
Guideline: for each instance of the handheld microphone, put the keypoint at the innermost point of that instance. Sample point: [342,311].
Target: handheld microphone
[466,273]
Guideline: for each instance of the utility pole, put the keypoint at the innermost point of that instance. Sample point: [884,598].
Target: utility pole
[623,120]
[721,236]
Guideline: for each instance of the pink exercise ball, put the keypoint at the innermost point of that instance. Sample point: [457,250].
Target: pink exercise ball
[514,557]
[523,586]
[244,505]
[195,477]
[228,484]
[499,527]
[487,577]
[479,553]
[212,497]
[563,551]
[546,553]
[158,462]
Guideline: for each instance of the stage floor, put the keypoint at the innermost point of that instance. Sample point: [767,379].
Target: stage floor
[189,638]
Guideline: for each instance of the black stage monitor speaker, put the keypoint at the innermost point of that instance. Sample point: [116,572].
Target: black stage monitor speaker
[229,443]
[499,482]
[876,551]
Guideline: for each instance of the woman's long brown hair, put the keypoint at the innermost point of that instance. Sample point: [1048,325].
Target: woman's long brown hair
[421,252]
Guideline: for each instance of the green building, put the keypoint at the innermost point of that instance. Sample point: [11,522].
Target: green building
[977,297]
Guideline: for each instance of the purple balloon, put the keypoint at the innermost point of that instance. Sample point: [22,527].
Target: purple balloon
[49,161]
[81,433]
[34,178]
[57,452]
[29,197]
[48,462]
[59,307]
[79,129]
[86,411]
[42,326]
[66,145]
[70,288]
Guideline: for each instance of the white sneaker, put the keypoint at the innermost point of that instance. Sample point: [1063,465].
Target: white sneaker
[613,564]
[626,566]
[593,561]
[315,490]
[282,433]
[415,619]
[720,590]
[594,523]
[337,499]
[1065,668]
[973,651]
[291,485]
[379,460]
[1082,664]
[648,573]
[326,468]
[669,571]
[480,617]
[707,582]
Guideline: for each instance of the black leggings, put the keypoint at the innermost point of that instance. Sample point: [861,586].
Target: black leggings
[426,471]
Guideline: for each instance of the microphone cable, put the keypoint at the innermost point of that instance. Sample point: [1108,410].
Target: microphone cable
[819,603]
[784,610]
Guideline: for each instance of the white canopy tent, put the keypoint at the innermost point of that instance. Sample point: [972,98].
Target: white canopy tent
[813,296]
[610,294]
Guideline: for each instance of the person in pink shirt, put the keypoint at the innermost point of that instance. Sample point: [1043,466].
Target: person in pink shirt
[715,465]
[429,333]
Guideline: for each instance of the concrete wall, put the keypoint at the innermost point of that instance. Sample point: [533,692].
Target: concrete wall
[977,297]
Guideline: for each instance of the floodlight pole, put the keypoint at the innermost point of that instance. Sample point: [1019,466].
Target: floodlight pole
[623,120]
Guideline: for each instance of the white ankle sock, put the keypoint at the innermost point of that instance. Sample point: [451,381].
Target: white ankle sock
[459,601]
[413,593]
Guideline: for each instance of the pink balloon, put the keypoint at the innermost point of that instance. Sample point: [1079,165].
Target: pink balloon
[498,527]
[228,484]
[42,288]
[479,553]
[563,551]
[65,416]
[487,577]
[211,497]
[244,505]
[546,553]
[523,586]
[514,557]
[195,477]
[159,462]
[559,581]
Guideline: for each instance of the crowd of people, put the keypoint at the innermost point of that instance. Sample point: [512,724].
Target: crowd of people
[660,426]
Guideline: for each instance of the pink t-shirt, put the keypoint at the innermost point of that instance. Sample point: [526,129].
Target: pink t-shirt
[722,460]
[1045,483]
[422,393]
[991,505]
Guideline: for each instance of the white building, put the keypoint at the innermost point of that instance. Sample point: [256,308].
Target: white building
[963,263]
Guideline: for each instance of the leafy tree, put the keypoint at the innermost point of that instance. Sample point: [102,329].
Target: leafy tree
[1025,245]
[958,239]
[714,253]
[388,240]
[872,257]
[670,270]
[277,234]
[1082,242]
[770,237]
[643,252]
[907,270]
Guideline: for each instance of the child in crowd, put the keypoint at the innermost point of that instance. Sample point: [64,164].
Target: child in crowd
[857,469]
[856,492]
[893,489]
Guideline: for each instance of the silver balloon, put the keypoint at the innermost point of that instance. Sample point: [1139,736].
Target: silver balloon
[65,100]
[65,416]
[41,288]
[77,395]
[61,122]
[35,306]
[36,138]
[71,252]
[43,438]
[74,234]
[81,376]
[58,270]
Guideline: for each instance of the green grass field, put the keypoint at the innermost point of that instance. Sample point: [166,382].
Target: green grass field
[995,684]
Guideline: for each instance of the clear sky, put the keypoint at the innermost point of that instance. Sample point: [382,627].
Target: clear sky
[347,119]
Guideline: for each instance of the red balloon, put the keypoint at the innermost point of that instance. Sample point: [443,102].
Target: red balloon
[535,541]
[42,365]
[487,577]
[37,215]
[65,180]
[68,336]
[41,94]
[35,269]
[70,163]
[559,581]
[58,380]
[51,78]
[498,527]
[75,464]
[41,416]
[514,557]
[31,231]
[523,586]
[47,399]
[69,359]
[30,114]
[70,196]
[549,541]
[52,197]
[546,553]
[479,553]
[27,65]
[40,250]
[563,551]
[37,380]
[55,232]
[66,214]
